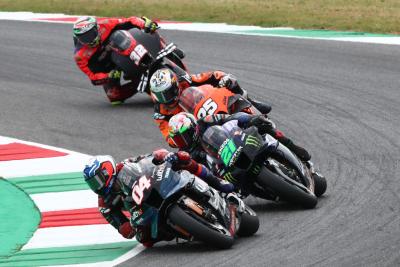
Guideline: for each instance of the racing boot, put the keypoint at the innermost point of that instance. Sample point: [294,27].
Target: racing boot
[179,52]
[264,108]
[117,94]
[298,150]
[143,235]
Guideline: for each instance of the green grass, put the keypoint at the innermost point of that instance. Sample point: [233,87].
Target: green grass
[378,16]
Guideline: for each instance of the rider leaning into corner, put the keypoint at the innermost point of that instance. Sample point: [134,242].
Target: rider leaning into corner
[185,132]
[166,88]
[93,56]
[112,183]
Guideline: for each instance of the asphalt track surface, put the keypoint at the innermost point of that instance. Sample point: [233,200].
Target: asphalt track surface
[340,100]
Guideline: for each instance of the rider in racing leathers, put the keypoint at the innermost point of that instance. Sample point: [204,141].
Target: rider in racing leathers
[185,132]
[113,184]
[166,87]
[93,56]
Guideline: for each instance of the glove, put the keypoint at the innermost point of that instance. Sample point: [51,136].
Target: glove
[262,123]
[159,155]
[229,81]
[114,74]
[171,158]
[126,230]
[149,25]
[226,187]
[181,157]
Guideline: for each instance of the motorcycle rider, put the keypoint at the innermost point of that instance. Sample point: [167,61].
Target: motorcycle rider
[113,182]
[166,87]
[185,133]
[92,54]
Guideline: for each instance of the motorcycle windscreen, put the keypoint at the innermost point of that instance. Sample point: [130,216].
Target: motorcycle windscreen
[190,98]
[120,40]
[220,142]
[168,182]
[151,42]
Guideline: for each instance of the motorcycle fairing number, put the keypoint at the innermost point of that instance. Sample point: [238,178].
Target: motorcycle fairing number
[228,151]
[208,108]
[138,53]
[138,189]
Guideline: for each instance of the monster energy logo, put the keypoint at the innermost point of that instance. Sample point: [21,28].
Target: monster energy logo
[252,141]
[228,176]
[256,170]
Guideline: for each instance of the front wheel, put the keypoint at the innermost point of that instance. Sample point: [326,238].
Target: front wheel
[320,185]
[289,192]
[249,223]
[199,230]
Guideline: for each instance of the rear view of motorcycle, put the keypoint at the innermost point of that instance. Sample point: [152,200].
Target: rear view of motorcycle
[188,208]
[208,100]
[137,53]
[262,166]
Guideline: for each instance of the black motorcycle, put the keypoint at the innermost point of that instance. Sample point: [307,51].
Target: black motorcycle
[186,207]
[261,166]
[139,54]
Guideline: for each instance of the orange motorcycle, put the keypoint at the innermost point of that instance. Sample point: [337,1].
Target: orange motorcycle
[207,100]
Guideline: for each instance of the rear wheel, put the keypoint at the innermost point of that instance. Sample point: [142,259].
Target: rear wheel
[289,192]
[199,230]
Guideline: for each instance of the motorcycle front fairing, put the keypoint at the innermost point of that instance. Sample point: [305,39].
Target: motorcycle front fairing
[133,51]
[283,152]
[165,182]
[190,98]
[175,182]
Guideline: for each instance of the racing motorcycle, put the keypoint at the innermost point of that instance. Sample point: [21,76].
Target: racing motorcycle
[207,100]
[260,165]
[138,54]
[188,208]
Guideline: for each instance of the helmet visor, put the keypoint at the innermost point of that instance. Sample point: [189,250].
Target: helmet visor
[90,37]
[96,182]
[184,139]
[167,96]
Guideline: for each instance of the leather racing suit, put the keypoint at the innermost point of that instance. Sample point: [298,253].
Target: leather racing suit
[130,170]
[242,120]
[163,112]
[96,63]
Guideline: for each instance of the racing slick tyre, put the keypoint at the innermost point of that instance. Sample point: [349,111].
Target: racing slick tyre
[286,190]
[198,229]
[320,185]
[249,223]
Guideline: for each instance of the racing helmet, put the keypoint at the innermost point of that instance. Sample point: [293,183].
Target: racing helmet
[183,130]
[164,86]
[100,174]
[86,31]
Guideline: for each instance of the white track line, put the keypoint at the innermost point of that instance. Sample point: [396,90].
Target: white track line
[74,236]
[65,200]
